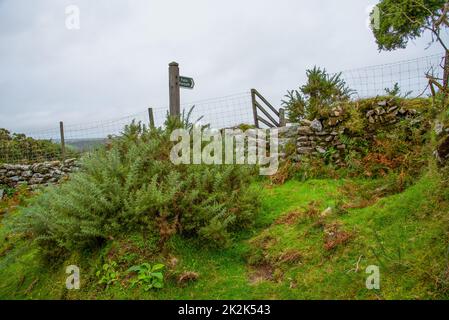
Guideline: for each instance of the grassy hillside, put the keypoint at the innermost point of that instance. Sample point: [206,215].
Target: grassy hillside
[294,252]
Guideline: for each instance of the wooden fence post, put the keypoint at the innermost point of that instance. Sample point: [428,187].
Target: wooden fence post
[253,101]
[175,100]
[282,121]
[61,130]
[151,117]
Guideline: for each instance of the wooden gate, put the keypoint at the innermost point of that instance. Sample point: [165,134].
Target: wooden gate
[274,119]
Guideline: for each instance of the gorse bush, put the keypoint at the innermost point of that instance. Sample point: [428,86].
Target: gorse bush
[317,96]
[132,186]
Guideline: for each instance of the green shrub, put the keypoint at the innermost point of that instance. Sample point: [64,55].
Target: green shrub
[130,186]
[108,275]
[20,148]
[148,276]
[315,99]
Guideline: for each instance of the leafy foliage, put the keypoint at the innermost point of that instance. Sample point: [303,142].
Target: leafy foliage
[108,274]
[133,186]
[396,91]
[317,96]
[148,276]
[404,20]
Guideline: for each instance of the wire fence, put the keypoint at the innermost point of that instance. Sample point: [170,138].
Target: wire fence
[410,75]
[45,145]
[222,112]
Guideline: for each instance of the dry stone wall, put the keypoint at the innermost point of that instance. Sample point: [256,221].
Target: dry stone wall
[386,112]
[36,174]
[314,138]
[311,138]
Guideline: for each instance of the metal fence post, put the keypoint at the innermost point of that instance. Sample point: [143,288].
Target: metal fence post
[61,130]
[175,100]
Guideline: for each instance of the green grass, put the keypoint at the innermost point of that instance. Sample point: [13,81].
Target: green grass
[405,234]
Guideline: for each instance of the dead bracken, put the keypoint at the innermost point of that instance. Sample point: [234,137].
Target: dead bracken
[188,276]
[290,256]
[334,236]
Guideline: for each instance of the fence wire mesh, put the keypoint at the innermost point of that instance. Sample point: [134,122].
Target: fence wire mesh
[410,75]
[223,112]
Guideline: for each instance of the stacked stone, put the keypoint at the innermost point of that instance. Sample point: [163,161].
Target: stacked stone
[36,174]
[286,136]
[388,112]
[252,141]
[336,116]
[313,139]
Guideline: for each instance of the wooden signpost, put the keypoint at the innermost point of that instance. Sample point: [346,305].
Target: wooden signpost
[175,83]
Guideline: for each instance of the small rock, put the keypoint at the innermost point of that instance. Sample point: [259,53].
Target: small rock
[393,108]
[326,212]
[370,113]
[305,130]
[439,128]
[306,122]
[11,173]
[36,181]
[305,150]
[380,111]
[27,174]
[316,125]
[304,144]
[333,122]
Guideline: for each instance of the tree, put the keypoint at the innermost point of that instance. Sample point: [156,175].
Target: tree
[403,20]
[317,96]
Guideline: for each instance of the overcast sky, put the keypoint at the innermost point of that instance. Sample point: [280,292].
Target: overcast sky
[116,63]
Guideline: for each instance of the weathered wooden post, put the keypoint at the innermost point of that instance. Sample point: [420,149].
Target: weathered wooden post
[151,117]
[282,120]
[254,105]
[175,100]
[61,131]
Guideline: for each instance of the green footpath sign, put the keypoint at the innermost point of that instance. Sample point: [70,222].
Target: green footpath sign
[186,82]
